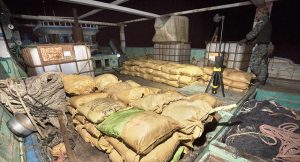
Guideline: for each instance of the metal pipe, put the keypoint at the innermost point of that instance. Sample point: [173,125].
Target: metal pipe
[233,5]
[58,19]
[116,2]
[112,7]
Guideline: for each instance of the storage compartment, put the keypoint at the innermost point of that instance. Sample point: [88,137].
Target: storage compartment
[235,56]
[65,58]
[283,68]
[177,52]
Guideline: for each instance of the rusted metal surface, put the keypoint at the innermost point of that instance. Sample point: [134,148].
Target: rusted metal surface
[66,135]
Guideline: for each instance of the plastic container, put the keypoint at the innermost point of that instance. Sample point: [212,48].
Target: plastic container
[173,51]
[65,58]
[235,56]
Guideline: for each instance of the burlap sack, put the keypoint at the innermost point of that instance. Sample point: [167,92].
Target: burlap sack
[189,114]
[100,109]
[78,84]
[104,145]
[147,76]
[173,83]
[132,83]
[115,88]
[78,101]
[83,133]
[167,67]
[140,130]
[72,110]
[157,102]
[173,77]
[133,68]
[186,79]
[161,153]
[149,71]
[130,95]
[147,130]
[128,62]
[156,79]
[80,118]
[239,85]
[91,128]
[126,72]
[126,67]
[114,156]
[75,122]
[58,150]
[211,100]
[105,80]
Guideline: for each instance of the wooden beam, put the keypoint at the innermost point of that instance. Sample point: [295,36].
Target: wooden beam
[116,2]
[112,7]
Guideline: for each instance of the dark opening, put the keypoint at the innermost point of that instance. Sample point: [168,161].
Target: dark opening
[106,62]
[98,63]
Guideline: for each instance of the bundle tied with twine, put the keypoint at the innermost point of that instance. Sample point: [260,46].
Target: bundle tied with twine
[43,95]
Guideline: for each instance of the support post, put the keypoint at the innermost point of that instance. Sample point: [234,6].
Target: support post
[122,37]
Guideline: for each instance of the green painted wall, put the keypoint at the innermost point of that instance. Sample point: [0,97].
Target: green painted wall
[8,69]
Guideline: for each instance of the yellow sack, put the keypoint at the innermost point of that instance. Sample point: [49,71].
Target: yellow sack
[239,85]
[78,101]
[173,77]
[105,80]
[126,72]
[189,114]
[156,79]
[76,122]
[78,84]
[58,150]
[91,128]
[157,102]
[99,109]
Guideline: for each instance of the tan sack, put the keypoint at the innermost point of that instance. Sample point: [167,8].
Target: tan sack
[186,79]
[115,88]
[126,72]
[76,122]
[114,156]
[104,145]
[91,128]
[161,153]
[157,102]
[78,84]
[211,100]
[72,111]
[105,80]
[189,114]
[130,95]
[78,101]
[99,109]
[173,83]
[147,130]
[58,150]
[132,83]
[173,77]
[83,133]
[80,118]
[239,85]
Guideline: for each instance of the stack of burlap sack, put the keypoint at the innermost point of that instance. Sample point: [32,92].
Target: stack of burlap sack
[179,75]
[171,73]
[131,122]
[233,79]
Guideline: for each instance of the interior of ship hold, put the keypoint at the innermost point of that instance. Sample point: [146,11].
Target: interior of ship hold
[149,81]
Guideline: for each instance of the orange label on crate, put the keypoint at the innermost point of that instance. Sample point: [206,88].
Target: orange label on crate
[52,53]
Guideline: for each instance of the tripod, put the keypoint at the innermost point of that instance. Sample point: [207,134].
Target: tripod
[217,78]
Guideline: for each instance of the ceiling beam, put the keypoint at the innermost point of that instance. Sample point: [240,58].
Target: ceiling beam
[92,12]
[58,19]
[112,7]
[233,5]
